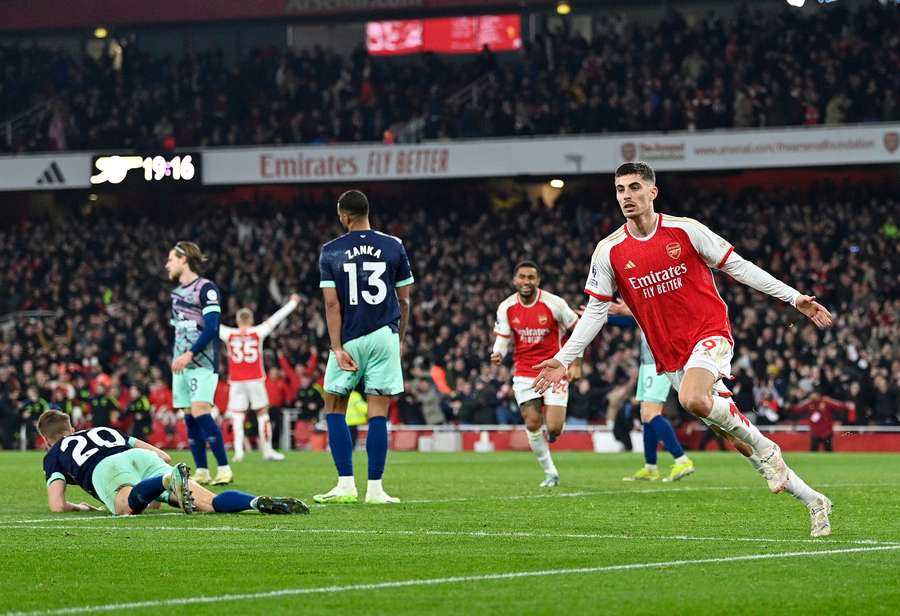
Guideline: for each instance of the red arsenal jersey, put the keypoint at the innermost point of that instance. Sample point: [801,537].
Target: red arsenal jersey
[245,358]
[536,330]
[666,281]
[245,346]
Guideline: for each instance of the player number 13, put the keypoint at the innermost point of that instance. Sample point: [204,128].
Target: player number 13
[377,269]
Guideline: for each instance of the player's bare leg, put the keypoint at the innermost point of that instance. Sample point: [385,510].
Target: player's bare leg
[555,419]
[376,449]
[534,428]
[237,425]
[345,490]
[695,395]
[818,504]
[265,435]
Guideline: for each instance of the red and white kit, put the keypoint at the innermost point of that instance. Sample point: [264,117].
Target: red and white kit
[667,282]
[246,373]
[537,332]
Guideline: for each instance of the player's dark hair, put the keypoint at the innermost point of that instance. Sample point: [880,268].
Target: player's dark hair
[193,254]
[526,263]
[354,203]
[53,424]
[642,169]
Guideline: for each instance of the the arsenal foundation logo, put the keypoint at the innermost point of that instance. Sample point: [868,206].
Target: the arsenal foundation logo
[891,140]
[628,152]
[674,250]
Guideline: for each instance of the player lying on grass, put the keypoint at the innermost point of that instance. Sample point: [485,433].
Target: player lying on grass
[127,475]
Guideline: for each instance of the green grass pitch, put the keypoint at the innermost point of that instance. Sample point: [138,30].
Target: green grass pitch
[474,535]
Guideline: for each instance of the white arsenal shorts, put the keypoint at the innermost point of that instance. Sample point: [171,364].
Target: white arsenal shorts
[243,395]
[713,354]
[558,395]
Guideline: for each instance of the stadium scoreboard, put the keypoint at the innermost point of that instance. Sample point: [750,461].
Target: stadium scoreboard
[171,169]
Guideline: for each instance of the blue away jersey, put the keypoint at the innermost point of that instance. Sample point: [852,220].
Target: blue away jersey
[365,267]
[74,457]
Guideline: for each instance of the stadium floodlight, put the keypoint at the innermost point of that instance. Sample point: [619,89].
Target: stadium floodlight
[563,8]
[797,3]
[557,183]
[101,32]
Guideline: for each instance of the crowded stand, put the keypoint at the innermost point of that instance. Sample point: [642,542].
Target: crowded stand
[753,69]
[87,303]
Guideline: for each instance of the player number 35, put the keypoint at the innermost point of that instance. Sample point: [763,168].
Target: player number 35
[244,351]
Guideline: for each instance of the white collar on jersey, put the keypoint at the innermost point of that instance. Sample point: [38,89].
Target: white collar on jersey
[536,299]
[648,236]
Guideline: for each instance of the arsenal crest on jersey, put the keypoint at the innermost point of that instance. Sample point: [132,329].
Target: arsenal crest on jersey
[542,319]
[673,249]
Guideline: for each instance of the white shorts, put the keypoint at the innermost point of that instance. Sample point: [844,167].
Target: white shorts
[244,395]
[555,396]
[713,354]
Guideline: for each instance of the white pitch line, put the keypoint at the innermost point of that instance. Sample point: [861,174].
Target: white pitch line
[70,517]
[479,534]
[463,499]
[622,492]
[288,592]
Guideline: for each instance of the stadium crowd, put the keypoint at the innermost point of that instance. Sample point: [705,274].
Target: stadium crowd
[97,339]
[782,68]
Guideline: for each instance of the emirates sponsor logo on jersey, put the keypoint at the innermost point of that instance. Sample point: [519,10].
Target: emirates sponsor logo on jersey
[673,249]
[532,335]
[658,282]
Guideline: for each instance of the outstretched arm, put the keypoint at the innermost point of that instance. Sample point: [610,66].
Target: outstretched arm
[280,315]
[757,278]
[589,325]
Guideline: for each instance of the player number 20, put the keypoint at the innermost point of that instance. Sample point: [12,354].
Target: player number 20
[96,435]
[377,269]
